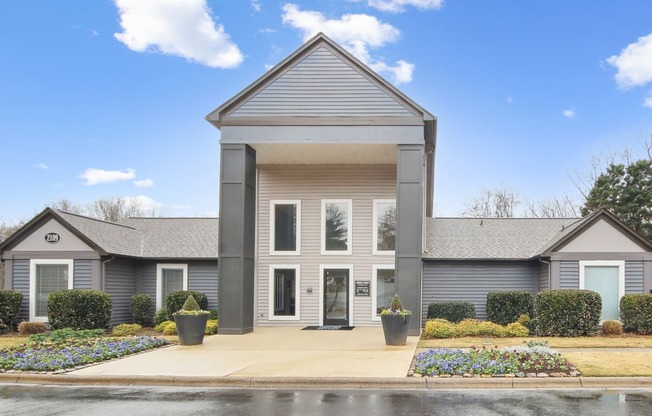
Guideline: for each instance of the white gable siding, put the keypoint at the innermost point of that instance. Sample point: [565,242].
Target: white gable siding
[601,237]
[321,84]
[310,184]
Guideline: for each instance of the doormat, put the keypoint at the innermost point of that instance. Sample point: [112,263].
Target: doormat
[329,327]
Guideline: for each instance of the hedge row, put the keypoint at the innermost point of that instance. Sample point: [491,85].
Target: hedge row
[10,301]
[636,313]
[79,309]
[451,311]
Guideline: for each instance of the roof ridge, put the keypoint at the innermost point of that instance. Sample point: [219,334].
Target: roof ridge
[94,219]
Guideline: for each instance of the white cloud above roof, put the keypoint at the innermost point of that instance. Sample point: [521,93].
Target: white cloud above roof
[41,166]
[94,176]
[146,203]
[570,113]
[144,183]
[634,63]
[358,33]
[184,28]
[399,6]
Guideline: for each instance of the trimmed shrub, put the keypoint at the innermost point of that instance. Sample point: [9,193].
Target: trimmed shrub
[170,329]
[468,328]
[451,311]
[79,309]
[211,327]
[438,329]
[161,316]
[31,328]
[612,328]
[492,329]
[142,309]
[160,327]
[174,300]
[124,330]
[505,307]
[568,313]
[10,301]
[212,315]
[517,330]
[636,313]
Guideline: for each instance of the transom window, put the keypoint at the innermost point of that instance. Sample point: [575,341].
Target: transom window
[336,226]
[384,226]
[170,278]
[384,287]
[285,232]
[47,276]
[284,301]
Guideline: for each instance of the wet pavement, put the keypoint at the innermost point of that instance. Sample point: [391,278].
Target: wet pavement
[59,400]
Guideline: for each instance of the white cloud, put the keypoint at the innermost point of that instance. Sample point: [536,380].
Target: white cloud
[398,6]
[648,100]
[267,30]
[41,166]
[634,63]
[93,32]
[356,32]
[255,5]
[177,27]
[144,183]
[570,113]
[96,176]
[145,202]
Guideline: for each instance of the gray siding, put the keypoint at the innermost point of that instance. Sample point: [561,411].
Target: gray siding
[634,278]
[202,277]
[470,281]
[321,84]
[21,284]
[83,273]
[310,184]
[120,283]
[147,276]
[544,277]
[569,274]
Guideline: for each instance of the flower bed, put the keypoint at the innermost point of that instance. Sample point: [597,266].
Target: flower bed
[49,356]
[512,361]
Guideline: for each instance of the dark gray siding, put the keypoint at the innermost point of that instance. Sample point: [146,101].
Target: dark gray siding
[544,277]
[120,283]
[470,281]
[569,275]
[147,275]
[21,284]
[634,278]
[202,277]
[82,272]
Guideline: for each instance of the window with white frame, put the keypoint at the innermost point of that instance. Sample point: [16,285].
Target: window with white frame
[47,276]
[384,226]
[384,287]
[336,226]
[170,278]
[607,277]
[285,227]
[284,300]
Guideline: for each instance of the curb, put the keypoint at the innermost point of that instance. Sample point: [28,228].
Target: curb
[341,383]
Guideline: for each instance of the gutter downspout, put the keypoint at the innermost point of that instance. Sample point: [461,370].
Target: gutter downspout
[549,272]
[104,272]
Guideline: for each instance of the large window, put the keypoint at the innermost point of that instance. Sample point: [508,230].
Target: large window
[384,226]
[336,226]
[608,279]
[47,276]
[170,278]
[384,287]
[284,283]
[285,223]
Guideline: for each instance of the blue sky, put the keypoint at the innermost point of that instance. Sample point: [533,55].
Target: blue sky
[107,98]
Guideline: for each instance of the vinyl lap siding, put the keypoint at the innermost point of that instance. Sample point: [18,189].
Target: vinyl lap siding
[321,84]
[82,272]
[202,277]
[634,280]
[21,284]
[147,276]
[311,184]
[470,281]
[569,275]
[120,283]
[544,277]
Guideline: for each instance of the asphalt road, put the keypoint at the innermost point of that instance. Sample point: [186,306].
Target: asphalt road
[38,400]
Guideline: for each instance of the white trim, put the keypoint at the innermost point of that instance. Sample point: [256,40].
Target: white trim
[374,287]
[32,283]
[351,283]
[159,276]
[374,247]
[349,224]
[297,294]
[606,263]
[272,226]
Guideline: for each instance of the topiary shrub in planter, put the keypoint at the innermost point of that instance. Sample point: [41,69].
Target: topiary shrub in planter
[396,322]
[505,307]
[174,301]
[191,321]
[79,309]
[568,313]
[142,309]
[636,313]
[452,311]
[10,301]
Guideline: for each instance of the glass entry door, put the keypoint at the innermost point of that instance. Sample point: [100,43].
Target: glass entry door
[336,297]
[604,280]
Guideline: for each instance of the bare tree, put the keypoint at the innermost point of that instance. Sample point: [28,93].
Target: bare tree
[5,231]
[556,207]
[108,209]
[499,203]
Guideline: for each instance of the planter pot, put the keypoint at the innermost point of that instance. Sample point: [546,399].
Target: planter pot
[191,328]
[395,328]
